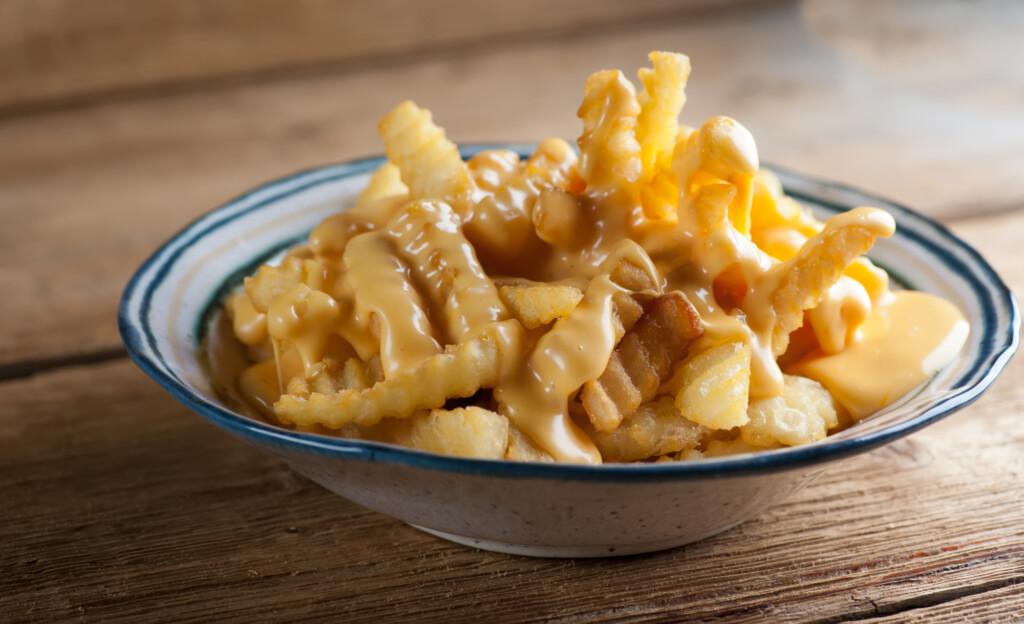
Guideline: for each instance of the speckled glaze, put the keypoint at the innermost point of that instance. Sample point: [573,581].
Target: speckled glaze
[540,509]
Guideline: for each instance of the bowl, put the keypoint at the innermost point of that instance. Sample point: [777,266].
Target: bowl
[550,510]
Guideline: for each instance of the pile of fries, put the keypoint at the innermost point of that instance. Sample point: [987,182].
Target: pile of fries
[638,301]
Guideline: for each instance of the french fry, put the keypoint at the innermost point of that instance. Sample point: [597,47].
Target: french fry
[772,208]
[522,448]
[662,99]
[609,152]
[430,164]
[552,165]
[818,265]
[711,205]
[730,287]
[501,226]
[387,300]
[721,151]
[329,376]
[540,304]
[803,413]
[382,197]
[642,360]
[463,432]
[653,429]
[427,236]
[874,279]
[716,385]
[458,372]
[270,281]
[329,239]
[492,169]
[386,182]
[249,324]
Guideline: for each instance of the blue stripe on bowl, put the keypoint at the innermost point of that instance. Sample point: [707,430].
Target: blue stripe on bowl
[1001,323]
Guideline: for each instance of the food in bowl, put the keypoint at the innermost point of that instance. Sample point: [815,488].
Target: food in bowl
[656,297]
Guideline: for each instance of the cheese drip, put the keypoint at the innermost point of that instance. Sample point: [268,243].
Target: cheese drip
[409,279]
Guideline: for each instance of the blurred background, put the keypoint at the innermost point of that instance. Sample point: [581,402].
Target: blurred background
[122,120]
[817,81]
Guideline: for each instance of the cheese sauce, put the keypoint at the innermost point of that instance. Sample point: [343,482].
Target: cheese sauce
[404,280]
[899,346]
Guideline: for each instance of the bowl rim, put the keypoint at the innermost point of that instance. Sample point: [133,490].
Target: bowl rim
[136,333]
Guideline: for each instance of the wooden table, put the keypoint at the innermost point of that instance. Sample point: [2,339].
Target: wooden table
[117,503]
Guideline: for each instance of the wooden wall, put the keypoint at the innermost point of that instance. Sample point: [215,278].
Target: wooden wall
[53,51]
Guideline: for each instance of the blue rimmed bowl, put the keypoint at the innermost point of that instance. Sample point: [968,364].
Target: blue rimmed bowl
[540,509]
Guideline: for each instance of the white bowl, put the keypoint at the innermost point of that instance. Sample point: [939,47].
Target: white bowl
[540,509]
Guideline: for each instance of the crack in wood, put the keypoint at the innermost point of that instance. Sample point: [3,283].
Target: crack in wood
[26,368]
[926,600]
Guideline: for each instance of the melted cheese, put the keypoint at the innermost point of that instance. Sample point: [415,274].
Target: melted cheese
[405,282]
[902,343]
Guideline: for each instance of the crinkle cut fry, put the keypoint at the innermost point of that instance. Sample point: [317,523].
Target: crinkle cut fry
[539,304]
[819,264]
[642,361]
[711,205]
[271,281]
[662,100]
[716,386]
[655,428]
[609,152]
[457,373]
[430,164]
[384,293]
[427,235]
[471,431]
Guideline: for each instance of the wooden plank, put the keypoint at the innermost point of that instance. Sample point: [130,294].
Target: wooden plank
[63,49]
[119,504]
[999,605]
[86,195]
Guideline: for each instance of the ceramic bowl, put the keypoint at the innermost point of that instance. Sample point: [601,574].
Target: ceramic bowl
[540,509]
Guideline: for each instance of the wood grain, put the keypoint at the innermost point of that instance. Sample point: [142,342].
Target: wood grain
[86,195]
[119,503]
[59,50]
[116,503]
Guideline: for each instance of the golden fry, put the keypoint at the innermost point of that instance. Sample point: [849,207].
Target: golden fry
[540,304]
[457,373]
[642,361]
[522,448]
[426,235]
[661,101]
[590,344]
[430,164]
[386,182]
[270,281]
[609,152]
[653,429]
[715,386]
[803,413]
[462,432]
[819,264]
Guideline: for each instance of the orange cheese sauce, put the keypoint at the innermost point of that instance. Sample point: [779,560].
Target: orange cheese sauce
[406,280]
[898,347]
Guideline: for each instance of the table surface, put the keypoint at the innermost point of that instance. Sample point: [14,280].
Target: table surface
[117,503]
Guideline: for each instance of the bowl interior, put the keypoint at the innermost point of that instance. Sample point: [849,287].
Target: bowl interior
[168,304]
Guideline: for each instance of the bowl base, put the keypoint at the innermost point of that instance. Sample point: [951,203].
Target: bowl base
[582,551]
